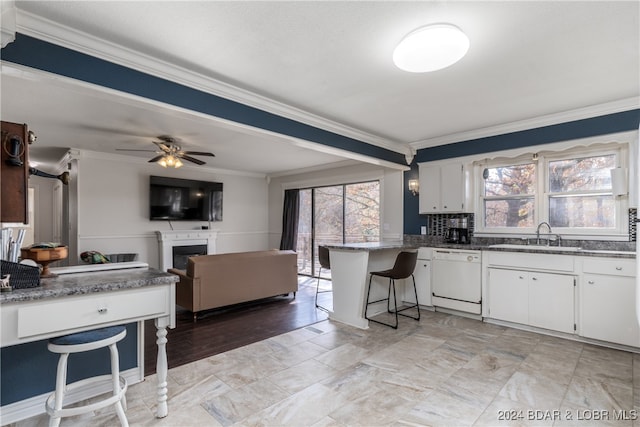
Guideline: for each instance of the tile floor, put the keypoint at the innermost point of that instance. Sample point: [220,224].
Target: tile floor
[444,370]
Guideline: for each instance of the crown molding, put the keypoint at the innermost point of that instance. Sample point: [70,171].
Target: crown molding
[537,122]
[8,13]
[50,31]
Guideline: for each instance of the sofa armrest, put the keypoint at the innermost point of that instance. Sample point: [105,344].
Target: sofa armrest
[180,273]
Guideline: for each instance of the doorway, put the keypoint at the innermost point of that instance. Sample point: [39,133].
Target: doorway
[347,213]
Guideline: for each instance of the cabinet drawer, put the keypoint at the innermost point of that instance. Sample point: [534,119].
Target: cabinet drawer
[531,261]
[610,266]
[89,310]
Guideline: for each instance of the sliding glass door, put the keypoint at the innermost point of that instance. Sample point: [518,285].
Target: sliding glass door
[347,213]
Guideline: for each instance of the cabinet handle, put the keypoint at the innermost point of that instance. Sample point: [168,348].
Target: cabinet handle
[445,207]
[591,282]
[534,278]
[520,277]
[102,310]
[619,268]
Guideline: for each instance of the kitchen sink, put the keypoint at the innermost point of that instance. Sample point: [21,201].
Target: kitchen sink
[537,247]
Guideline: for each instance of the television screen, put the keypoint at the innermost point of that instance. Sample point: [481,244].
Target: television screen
[184,199]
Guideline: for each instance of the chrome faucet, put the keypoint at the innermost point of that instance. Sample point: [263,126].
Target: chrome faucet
[538,232]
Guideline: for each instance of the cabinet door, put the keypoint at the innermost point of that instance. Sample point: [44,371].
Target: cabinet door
[429,197]
[422,274]
[608,309]
[452,188]
[551,301]
[508,293]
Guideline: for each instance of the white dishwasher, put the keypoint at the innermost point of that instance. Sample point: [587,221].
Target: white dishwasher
[456,280]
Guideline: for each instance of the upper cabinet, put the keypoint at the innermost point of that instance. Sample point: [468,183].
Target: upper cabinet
[442,188]
[14,173]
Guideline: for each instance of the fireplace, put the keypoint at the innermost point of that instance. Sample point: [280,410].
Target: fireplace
[168,240]
[182,253]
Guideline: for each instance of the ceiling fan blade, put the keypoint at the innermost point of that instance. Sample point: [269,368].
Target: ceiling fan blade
[199,153]
[192,159]
[156,158]
[133,149]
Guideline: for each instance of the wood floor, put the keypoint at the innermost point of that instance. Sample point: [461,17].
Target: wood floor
[217,331]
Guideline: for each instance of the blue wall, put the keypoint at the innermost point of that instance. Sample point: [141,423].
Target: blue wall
[602,125]
[29,370]
[45,56]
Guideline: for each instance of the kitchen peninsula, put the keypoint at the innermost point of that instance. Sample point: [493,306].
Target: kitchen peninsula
[350,267]
[81,300]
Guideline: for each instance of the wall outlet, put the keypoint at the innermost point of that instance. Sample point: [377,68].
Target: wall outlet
[423,230]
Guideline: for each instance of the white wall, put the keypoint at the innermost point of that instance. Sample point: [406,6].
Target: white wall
[113,207]
[391,188]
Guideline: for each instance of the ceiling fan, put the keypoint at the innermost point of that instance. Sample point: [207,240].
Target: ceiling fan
[170,154]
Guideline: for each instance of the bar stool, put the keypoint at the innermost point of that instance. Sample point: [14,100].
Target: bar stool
[77,343]
[323,258]
[403,268]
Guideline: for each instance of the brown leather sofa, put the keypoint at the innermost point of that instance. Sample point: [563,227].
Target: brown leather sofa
[213,281]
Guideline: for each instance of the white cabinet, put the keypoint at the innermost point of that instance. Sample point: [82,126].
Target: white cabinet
[551,301]
[608,301]
[422,275]
[543,300]
[508,295]
[442,188]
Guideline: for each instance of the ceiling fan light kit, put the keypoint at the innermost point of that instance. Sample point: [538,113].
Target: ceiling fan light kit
[430,48]
[170,161]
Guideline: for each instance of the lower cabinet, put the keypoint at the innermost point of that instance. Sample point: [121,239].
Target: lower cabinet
[608,295]
[543,300]
[551,301]
[509,295]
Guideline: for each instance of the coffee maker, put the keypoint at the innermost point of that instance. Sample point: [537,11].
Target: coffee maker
[457,231]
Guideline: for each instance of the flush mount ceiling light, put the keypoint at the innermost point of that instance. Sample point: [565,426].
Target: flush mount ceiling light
[431,48]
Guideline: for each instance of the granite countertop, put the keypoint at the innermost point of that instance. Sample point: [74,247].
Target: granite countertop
[90,282]
[373,246]
[563,251]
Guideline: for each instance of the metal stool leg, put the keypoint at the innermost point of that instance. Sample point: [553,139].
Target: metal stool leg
[388,299]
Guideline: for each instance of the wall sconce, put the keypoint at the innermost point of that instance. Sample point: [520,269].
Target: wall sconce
[414,186]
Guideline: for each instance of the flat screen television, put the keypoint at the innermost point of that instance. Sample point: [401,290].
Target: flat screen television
[184,199]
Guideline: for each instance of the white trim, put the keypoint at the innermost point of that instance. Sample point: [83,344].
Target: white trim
[533,123]
[35,406]
[8,19]
[50,31]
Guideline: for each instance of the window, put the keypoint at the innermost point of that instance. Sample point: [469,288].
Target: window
[580,193]
[571,190]
[509,196]
[348,213]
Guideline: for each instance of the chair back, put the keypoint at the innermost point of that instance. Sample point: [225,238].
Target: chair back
[404,265]
[323,257]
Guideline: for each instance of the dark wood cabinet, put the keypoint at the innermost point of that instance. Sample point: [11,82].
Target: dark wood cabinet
[14,173]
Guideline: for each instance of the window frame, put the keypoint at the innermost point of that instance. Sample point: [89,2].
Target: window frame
[542,194]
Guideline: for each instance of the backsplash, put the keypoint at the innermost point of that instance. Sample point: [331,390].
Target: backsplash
[437,226]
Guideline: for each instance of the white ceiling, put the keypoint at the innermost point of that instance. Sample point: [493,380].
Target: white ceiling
[332,59]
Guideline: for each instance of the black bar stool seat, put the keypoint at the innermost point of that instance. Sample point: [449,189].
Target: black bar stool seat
[403,268]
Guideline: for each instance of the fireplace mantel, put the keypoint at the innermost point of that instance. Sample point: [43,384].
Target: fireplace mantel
[168,239]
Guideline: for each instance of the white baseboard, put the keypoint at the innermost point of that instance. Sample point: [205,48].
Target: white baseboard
[35,406]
